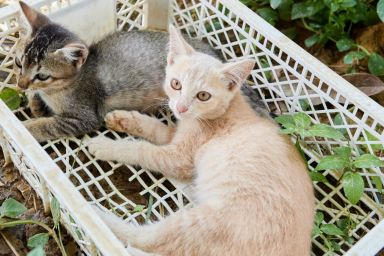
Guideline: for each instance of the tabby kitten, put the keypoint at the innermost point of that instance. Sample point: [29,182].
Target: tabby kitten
[71,86]
[252,192]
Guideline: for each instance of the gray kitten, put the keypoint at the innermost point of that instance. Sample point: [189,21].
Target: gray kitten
[71,86]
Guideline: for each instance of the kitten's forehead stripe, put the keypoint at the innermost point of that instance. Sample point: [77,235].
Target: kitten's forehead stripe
[49,37]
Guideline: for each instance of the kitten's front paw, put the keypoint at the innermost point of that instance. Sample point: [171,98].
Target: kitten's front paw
[101,147]
[121,121]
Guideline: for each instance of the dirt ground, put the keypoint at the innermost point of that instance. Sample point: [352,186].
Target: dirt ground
[13,241]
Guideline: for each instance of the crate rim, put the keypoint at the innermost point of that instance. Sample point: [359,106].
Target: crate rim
[315,66]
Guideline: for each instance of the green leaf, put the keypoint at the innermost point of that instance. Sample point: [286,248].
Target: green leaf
[380,9]
[350,240]
[312,40]
[331,229]
[336,247]
[345,44]
[343,224]
[353,185]
[264,64]
[325,131]
[304,104]
[370,137]
[55,209]
[301,152]
[376,64]
[335,7]
[302,120]
[275,3]
[290,32]
[315,176]
[315,231]
[367,161]
[319,217]
[303,132]
[331,162]
[271,16]
[138,208]
[11,208]
[38,240]
[285,119]
[11,98]
[284,10]
[352,56]
[306,9]
[338,120]
[287,131]
[343,152]
[376,180]
[150,208]
[328,244]
[38,251]
[348,3]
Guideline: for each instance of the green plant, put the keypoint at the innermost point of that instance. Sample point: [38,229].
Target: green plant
[11,209]
[11,98]
[328,21]
[300,126]
[331,234]
[342,160]
[352,181]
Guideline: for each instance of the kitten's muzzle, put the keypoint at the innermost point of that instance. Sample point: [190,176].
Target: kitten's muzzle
[181,108]
[23,83]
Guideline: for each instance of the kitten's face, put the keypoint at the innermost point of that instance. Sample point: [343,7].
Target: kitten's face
[47,55]
[198,85]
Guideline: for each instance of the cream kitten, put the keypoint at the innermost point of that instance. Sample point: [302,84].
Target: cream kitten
[253,195]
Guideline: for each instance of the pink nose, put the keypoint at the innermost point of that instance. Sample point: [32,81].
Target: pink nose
[181,108]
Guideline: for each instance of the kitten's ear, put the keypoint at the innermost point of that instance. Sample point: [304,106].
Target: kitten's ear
[75,53]
[177,45]
[236,72]
[34,18]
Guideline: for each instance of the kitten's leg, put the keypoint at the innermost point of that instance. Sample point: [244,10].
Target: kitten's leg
[121,229]
[170,160]
[187,232]
[37,106]
[47,128]
[140,125]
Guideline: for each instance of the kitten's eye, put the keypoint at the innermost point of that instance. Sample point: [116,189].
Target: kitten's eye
[42,77]
[17,62]
[175,84]
[203,96]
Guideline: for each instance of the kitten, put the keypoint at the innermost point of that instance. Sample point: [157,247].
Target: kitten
[253,195]
[71,86]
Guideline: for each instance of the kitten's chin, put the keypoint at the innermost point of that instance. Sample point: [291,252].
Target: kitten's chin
[179,116]
[182,116]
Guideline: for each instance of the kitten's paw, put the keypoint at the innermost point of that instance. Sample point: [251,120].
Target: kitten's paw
[101,148]
[121,121]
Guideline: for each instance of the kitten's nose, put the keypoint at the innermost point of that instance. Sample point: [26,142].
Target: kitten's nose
[181,108]
[23,83]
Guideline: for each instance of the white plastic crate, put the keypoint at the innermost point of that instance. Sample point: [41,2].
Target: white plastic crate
[284,76]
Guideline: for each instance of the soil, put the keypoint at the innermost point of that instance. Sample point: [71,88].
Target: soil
[13,241]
